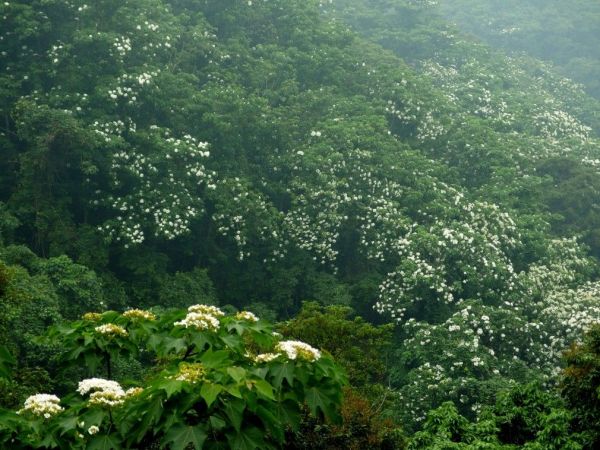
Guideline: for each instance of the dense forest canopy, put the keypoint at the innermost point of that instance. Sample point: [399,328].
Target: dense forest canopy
[404,186]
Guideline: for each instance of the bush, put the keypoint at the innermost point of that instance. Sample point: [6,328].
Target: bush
[218,382]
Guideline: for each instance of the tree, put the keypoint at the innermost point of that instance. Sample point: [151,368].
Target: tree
[219,381]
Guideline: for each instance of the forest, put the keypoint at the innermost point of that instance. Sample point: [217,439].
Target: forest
[300,224]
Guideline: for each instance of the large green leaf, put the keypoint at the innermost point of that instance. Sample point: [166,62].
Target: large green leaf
[273,425]
[171,387]
[175,345]
[281,371]
[233,341]
[250,438]
[217,422]
[180,437]
[68,423]
[210,391]
[237,373]
[288,412]
[265,389]
[234,409]
[103,442]
[92,362]
[151,414]
[317,400]
[213,360]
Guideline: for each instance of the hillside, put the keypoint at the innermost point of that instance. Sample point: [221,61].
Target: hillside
[258,154]
[565,34]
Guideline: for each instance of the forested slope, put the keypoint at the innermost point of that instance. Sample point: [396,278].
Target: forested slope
[566,34]
[258,154]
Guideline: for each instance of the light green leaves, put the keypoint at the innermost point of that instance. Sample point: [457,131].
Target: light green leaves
[209,392]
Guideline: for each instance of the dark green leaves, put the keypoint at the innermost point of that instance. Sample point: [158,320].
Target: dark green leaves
[104,442]
[281,371]
[181,437]
[321,402]
[234,409]
[7,361]
[249,438]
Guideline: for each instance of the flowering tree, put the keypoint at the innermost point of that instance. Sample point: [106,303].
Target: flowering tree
[221,380]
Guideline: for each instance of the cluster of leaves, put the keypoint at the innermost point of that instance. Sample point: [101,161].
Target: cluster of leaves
[365,359]
[530,416]
[209,388]
[580,385]
[523,417]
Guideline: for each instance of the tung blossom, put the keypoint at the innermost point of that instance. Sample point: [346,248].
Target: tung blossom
[298,350]
[110,329]
[199,321]
[246,315]
[42,405]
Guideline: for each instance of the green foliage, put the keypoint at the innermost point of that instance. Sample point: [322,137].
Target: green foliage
[6,362]
[363,356]
[186,288]
[523,417]
[361,153]
[362,427]
[580,385]
[570,194]
[209,389]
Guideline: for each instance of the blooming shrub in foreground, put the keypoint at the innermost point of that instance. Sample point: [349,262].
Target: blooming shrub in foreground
[220,382]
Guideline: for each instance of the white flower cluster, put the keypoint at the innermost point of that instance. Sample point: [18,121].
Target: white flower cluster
[567,314]
[201,317]
[419,121]
[139,314]
[207,309]
[102,392]
[469,86]
[110,329]
[57,52]
[128,86]
[243,210]
[506,337]
[199,321]
[424,3]
[190,373]
[325,191]
[112,131]
[444,260]
[151,26]
[559,269]
[42,405]
[97,384]
[555,124]
[163,201]
[591,161]
[123,45]
[266,357]
[247,316]
[297,350]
